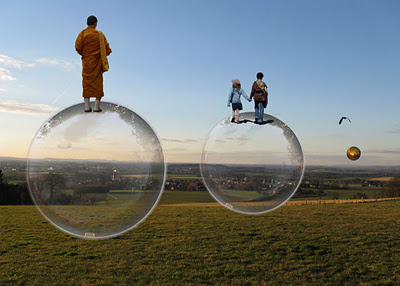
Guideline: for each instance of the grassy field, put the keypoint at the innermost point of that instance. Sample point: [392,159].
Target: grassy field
[170,197]
[179,197]
[344,194]
[16,181]
[383,179]
[356,244]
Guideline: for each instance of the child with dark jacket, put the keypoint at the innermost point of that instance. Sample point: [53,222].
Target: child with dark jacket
[259,91]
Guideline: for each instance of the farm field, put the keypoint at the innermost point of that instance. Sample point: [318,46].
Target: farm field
[178,197]
[342,194]
[337,244]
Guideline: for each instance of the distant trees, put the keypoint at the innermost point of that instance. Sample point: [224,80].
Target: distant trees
[89,194]
[335,196]
[320,193]
[304,193]
[54,182]
[321,184]
[49,189]
[392,189]
[359,196]
[13,194]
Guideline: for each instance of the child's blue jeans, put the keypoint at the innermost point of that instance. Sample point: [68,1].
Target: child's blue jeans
[259,108]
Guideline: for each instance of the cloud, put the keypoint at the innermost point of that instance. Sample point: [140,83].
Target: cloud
[79,130]
[67,65]
[258,153]
[11,62]
[5,75]
[324,157]
[228,138]
[65,145]
[366,159]
[25,108]
[394,131]
[180,141]
[3,89]
[383,151]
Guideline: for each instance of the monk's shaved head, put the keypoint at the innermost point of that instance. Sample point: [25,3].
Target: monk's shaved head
[91,20]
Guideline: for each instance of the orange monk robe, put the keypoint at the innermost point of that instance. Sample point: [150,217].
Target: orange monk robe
[87,44]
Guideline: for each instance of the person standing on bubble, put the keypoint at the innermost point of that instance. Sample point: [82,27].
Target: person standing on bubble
[92,45]
[234,98]
[259,91]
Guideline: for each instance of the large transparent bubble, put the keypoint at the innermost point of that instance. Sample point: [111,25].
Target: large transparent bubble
[251,168]
[96,175]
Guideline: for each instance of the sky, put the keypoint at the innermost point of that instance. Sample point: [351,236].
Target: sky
[235,143]
[114,134]
[173,62]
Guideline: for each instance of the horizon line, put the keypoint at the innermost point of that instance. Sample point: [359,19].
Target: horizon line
[196,163]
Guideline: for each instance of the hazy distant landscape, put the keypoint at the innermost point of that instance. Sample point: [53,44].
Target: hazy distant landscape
[190,239]
[319,182]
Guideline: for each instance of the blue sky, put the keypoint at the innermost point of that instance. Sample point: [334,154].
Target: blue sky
[173,62]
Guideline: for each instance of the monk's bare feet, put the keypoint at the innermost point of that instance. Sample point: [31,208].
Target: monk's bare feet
[88,110]
[98,110]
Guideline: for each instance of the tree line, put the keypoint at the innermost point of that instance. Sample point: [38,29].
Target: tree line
[18,194]
[14,194]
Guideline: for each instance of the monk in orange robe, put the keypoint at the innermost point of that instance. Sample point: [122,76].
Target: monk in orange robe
[92,45]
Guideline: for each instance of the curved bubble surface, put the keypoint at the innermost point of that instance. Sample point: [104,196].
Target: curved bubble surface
[252,168]
[96,175]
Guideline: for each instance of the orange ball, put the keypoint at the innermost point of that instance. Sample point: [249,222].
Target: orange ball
[353,153]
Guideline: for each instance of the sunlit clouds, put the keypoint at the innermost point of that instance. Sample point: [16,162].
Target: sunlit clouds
[14,63]
[9,66]
[25,108]
[6,63]
[6,75]
[64,64]
[12,69]
[182,149]
[180,140]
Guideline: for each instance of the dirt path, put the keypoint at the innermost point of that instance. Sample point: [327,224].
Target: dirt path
[352,201]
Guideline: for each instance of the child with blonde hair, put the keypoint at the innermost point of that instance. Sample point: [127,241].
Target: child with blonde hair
[234,98]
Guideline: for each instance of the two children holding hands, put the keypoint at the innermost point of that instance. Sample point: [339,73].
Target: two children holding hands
[260,93]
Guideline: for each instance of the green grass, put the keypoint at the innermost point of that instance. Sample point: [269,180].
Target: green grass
[343,194]
[16,181]
[298,245]
[127,191]
[180,197]
[175,197]
[245,194]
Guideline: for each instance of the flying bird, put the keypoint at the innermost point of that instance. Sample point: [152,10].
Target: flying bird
[341,119]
